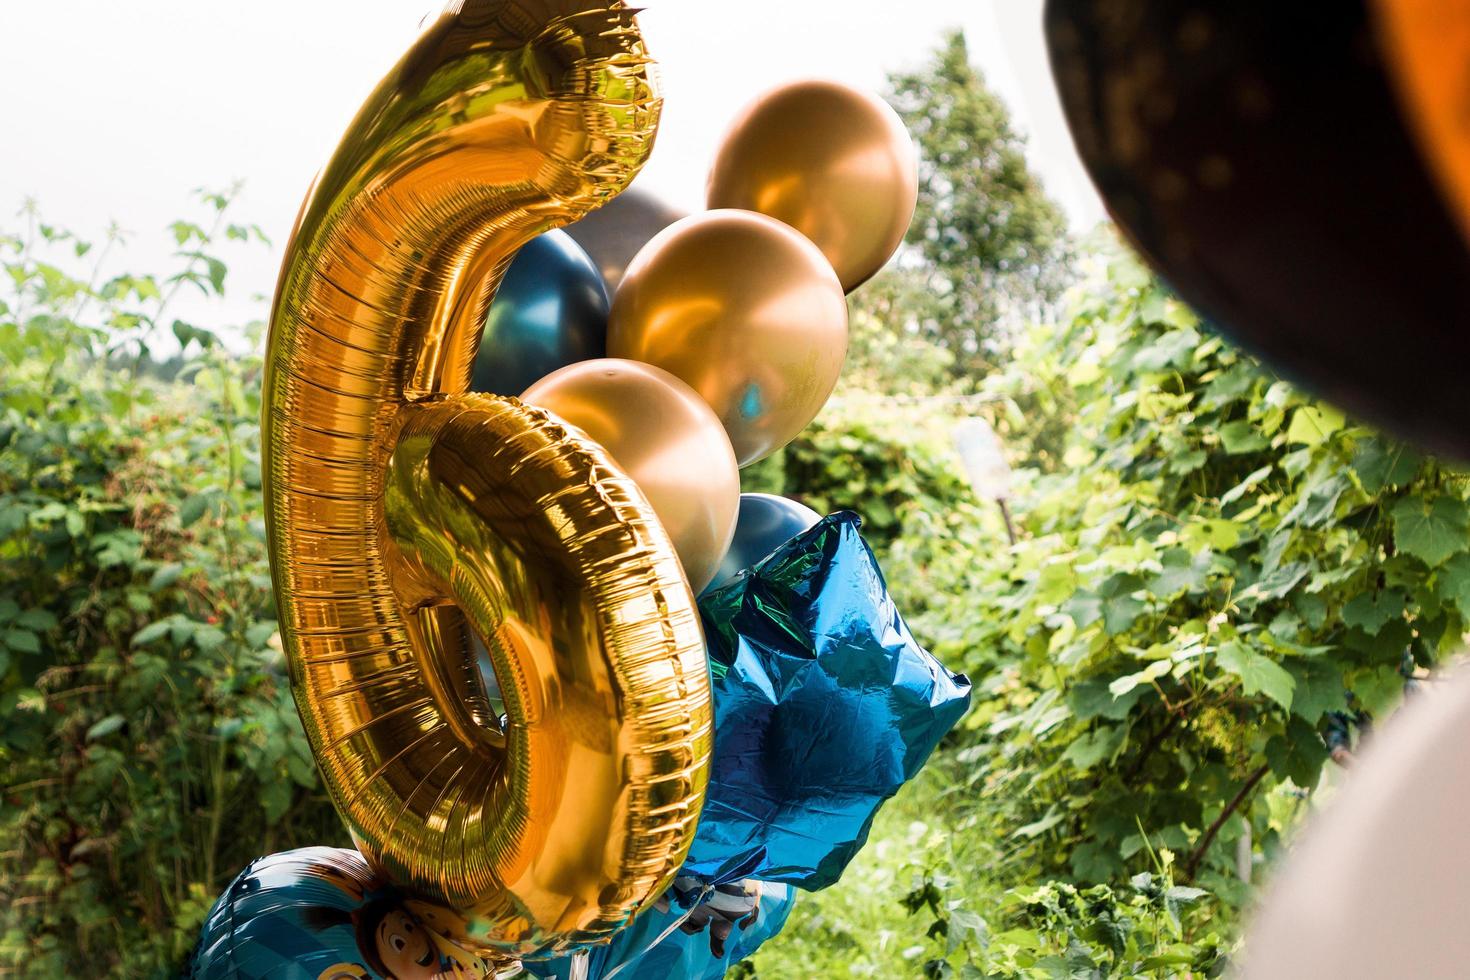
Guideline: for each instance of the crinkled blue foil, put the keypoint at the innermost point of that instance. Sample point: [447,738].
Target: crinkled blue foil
[824,706]
[657,945]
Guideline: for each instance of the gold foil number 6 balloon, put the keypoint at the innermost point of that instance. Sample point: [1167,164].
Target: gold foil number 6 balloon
[405,514]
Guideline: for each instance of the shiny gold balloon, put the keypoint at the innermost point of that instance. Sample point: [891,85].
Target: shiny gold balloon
[746,312]
[1428,47]
[832,162]
[405,515]
[664,436]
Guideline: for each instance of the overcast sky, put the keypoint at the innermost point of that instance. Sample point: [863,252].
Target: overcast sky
[116,109]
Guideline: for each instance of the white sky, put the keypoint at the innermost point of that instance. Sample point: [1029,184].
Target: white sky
[117,109]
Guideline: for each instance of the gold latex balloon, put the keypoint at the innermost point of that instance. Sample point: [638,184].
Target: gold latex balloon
[405,515]
[745,311]
[663,435]
[1428,46]
[832,162]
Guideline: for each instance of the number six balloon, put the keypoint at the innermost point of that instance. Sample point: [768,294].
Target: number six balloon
[404,513]
[1258,155]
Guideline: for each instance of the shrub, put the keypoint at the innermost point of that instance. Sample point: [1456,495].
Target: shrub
[148,743]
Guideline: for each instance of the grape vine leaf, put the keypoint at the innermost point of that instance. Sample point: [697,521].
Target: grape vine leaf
[1430,531]
[1370,613]
[1318,688]
[1258,674]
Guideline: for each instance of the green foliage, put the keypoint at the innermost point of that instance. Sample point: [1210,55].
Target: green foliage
[1220,568]
[990,241]
[1214,574]
[148,743]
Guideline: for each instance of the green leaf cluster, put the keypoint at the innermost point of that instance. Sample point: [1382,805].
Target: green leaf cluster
[149,746]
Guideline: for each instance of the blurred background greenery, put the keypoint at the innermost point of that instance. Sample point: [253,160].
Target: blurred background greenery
[1216,584]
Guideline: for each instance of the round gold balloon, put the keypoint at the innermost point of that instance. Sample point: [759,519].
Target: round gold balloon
[663,435]
[832,162]
[746,312]
[405,515]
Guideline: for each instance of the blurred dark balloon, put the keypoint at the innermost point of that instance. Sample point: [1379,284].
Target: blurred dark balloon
[550,311]
[615,232]
[765,523]
[1259,157]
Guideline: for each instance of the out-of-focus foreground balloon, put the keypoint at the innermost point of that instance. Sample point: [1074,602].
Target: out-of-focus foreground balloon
[613,234]
[1429,48]
[550,311]
[766,522]
[1378,887]
[667,439]
[1258,156]
[744,310]
[403,513]
[833,162]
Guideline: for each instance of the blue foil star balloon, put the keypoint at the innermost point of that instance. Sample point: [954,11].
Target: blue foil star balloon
[824,706]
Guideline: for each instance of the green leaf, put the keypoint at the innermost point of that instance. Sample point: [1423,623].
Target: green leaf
[192,509]
[1241,437]
[1092,699]
[1431,531]
[1370,613]
[1378,690]
[21,641]
[1241,488]
[1182,572]
[1039,827]
[1277,583]
[1381,465]
[1084,607]
[1318,688]
[1120,607]
[1453,582]
[1148,675]
[1090,748]
[1312,424]
[1258,674]
[39,620]
[152,632]
[165,575]
[105,727]
[1297,754]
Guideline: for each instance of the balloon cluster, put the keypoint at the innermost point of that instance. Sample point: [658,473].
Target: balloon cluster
[424,524]
[728,329]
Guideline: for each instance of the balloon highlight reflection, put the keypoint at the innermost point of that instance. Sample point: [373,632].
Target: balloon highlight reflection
[744,310]
[665,437]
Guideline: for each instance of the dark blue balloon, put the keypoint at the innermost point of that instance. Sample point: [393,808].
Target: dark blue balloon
[766,522]
[550,311]
[824,706]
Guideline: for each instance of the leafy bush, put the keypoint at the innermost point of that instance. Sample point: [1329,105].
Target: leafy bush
[1224,570]
[148,743]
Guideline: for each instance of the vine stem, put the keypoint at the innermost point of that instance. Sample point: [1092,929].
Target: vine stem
[1198,854]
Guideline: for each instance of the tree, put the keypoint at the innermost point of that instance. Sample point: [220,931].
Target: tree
[989,247]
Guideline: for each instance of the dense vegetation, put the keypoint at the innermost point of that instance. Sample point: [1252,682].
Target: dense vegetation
[148,742]
[1216,584]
